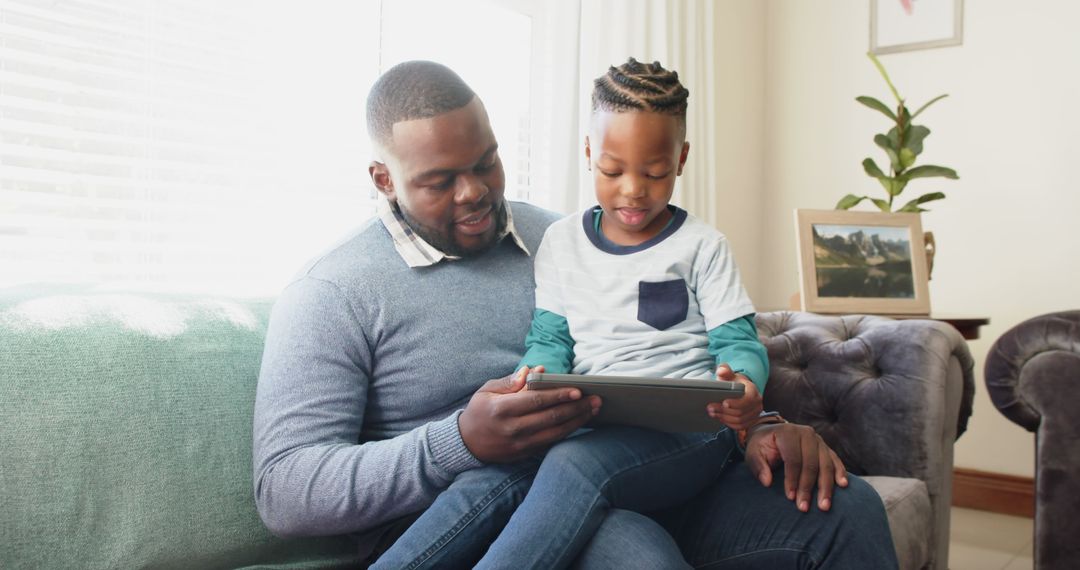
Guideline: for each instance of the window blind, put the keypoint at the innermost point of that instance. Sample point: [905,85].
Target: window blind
[205,146]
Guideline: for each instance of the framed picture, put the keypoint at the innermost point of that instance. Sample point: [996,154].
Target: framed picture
[862,262]
[904,25]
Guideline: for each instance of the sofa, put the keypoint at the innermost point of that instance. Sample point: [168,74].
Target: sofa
[1033,377]
[125,426]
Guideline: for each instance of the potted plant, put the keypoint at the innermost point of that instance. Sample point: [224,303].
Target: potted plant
[902,144]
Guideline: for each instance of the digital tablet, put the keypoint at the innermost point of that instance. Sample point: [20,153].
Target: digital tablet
[664,404]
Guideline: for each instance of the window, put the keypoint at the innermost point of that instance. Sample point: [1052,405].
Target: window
[214,146]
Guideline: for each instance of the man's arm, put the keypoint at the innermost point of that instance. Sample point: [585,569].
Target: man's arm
[311,475]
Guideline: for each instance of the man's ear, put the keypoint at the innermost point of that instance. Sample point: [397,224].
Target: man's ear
[588,154]
[380,176]
[682,157]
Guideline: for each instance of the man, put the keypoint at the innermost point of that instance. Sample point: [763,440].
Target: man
[372,398]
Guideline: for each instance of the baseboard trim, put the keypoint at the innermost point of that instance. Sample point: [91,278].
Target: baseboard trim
[994,492]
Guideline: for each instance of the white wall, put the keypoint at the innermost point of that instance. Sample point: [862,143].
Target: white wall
[1006,233]
[739,139]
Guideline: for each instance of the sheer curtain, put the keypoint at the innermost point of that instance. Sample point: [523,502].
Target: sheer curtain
[718,48]
[680,35]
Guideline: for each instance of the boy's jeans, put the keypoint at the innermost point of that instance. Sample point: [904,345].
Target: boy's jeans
[579,480]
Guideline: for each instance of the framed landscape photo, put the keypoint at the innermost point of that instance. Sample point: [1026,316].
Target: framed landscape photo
[862,262]
[905,25]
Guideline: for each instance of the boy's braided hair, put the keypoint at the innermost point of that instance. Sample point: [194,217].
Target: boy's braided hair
[636,86]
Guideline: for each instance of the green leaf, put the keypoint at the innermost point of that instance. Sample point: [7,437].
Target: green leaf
[894,138]
[893,186]
[913,138]
[907,158]
[884,142]
[849,201]
[898,186]
[931,102]
[877,106]
[929,171]
[913,210]
[913,206]
[881,204]
[871,169]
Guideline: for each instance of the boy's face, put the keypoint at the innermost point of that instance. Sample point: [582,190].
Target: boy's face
[635,157]
[445,175]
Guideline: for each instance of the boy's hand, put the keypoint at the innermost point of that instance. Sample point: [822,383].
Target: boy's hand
[741,413]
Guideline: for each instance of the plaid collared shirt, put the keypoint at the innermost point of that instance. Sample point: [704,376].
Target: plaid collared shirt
[418,253]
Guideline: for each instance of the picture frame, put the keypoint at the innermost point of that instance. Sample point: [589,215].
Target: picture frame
[862,262]
[906,25]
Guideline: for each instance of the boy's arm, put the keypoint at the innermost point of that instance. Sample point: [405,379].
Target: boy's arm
[728,312]
[549,343]
[736,344]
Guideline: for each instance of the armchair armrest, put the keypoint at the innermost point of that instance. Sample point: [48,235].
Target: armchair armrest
[889,396]
[1032,375]
[1046,351]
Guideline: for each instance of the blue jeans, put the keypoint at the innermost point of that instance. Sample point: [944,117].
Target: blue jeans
[737,524]
[456,530]
[733,523]
[578,482]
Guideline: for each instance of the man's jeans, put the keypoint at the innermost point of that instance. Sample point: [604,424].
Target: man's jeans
[738,524]
[578,482]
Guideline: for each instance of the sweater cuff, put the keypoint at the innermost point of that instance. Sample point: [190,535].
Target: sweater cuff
[448,451]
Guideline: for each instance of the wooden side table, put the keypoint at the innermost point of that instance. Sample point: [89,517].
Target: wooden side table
[968,326]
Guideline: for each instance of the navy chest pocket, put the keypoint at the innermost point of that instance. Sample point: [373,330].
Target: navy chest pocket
[662,305]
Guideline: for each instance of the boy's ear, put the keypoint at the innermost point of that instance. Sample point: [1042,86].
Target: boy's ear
[380,176]
[588,154]
[682,157]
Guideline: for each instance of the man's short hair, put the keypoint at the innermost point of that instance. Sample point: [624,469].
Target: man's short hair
[413,90]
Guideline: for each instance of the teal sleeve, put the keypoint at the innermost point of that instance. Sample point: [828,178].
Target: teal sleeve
[549,343]
[736,343]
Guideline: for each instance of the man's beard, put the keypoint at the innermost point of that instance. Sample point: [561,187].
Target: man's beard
[444,240]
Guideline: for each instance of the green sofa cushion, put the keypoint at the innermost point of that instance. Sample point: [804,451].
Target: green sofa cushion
[125,433]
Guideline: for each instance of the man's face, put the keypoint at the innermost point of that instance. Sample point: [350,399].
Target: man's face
[445,175]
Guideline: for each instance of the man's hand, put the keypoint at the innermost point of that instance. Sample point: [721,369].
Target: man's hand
[504,423]
[741,413]
[807,460]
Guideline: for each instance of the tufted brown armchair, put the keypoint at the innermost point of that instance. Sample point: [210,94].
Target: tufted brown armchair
[891,397]
[1031,375]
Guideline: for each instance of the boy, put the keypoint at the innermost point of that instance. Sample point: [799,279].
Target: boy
[635,287]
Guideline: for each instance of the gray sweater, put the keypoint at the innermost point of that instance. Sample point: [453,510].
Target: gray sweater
[367,365]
